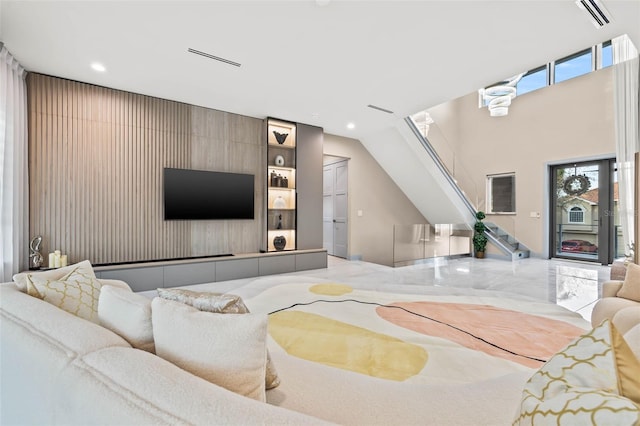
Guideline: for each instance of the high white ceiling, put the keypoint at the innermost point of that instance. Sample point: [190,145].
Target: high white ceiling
[301,61]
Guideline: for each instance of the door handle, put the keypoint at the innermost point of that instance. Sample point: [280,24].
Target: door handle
[334,221]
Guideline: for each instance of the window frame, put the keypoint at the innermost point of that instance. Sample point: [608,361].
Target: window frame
[489,200]
[600,54]
[589,51]
[596,64]
[544,68]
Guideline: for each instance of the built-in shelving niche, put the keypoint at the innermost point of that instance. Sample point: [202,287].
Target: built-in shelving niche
[281,185]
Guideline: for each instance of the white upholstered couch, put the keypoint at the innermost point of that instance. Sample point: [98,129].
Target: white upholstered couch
[620,303]
[57,368]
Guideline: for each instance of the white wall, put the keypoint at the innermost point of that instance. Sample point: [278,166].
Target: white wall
[373,192]
[569,121]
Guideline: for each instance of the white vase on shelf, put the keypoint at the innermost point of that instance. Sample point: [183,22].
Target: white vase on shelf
[279,203]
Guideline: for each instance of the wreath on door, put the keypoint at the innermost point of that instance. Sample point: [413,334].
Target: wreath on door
[576,185]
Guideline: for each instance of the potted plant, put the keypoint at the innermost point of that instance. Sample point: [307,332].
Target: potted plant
[479,238]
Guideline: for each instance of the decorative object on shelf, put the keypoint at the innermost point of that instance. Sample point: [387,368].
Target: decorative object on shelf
[279,203]
[279,160]
[285,182]
[479,238]
[272,178]
[57,260]
[280,242]
[280,137]
[576,185]
[35,258]
[279,225]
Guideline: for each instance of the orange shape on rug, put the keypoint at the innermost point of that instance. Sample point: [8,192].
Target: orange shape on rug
[519,332]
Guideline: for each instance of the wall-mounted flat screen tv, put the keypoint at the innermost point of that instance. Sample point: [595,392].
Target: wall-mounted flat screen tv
[202,195]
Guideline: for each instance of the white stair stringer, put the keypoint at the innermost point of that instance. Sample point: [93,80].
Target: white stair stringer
[406,161]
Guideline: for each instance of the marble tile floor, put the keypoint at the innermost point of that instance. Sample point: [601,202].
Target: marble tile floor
[573,285]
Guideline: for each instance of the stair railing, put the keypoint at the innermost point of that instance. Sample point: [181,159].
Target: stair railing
[447,171]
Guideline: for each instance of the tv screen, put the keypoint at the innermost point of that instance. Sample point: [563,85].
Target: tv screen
[200,195]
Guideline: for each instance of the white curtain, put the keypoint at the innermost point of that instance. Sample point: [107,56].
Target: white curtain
[14,200]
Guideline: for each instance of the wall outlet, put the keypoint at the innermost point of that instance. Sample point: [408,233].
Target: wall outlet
[359,213]
[535,214]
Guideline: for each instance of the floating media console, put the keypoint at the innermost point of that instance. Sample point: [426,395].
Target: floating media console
[146,276]
[138,262]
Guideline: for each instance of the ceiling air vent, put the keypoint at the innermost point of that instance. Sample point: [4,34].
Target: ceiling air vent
[380,109]
[216,58]
[598,15]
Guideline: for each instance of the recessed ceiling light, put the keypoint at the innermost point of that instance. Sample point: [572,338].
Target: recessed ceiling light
[351,126]
[97,66]
[323,2]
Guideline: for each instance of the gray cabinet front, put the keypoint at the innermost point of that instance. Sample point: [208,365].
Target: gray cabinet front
[139,279]
[277,264]
[235,269]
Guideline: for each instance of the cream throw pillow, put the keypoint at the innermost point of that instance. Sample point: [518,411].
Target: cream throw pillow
[594,380]
[631,285]
[206,301]
[222,304]
[225,349]
[77,292]
[127,314]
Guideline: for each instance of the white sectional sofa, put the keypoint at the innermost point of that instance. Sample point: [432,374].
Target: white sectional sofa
[57,368]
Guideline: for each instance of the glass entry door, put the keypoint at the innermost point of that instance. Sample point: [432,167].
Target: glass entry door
[584,213]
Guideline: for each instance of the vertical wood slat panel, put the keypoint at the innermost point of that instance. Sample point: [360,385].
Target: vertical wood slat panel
[96,157]
[95,171]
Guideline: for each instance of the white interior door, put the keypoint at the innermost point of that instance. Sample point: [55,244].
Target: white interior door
[335,209]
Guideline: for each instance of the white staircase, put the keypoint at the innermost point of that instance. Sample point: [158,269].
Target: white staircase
[415,167]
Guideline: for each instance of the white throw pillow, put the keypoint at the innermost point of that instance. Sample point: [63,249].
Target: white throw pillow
[631,285]
[127,314]
[115,283]
[228,350]
[221,304]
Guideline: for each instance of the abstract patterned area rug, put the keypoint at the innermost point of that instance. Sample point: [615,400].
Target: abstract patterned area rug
[422,339]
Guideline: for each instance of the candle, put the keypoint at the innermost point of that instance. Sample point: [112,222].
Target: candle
[56,259]
[63,260]
[52,260]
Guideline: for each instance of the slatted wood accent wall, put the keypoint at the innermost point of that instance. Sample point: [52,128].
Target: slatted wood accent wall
[96,157]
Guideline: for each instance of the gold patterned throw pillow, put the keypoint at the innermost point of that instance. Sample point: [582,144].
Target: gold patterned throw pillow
[77,292]
[221,304]
[52,274]
[594,380]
